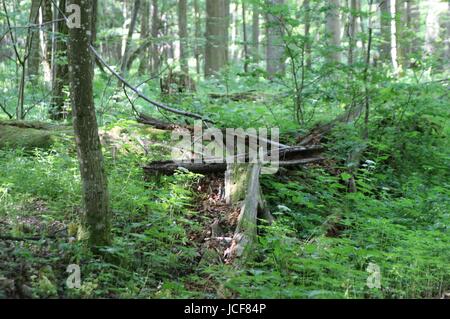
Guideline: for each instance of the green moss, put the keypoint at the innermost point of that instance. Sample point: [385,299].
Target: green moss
[28,138]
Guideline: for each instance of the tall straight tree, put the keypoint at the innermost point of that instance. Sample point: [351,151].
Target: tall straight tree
[47,39]
[95,190]
[307,8]
[352,26]
[145,31]
[255,33]
[34,57]
[333,29]
[60,68]
[216,36]
[413,27]
[197,31]
[126,53]
[385,29]
[182,33]
[156,24]
[275,47]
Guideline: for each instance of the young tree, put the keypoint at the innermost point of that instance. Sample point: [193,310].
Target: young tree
[333,29]
[275,47]
[95,191]
[216,36]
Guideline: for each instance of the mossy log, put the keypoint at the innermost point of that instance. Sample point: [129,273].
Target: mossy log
[29,135]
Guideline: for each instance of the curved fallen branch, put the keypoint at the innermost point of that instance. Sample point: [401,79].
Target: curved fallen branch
[142,96]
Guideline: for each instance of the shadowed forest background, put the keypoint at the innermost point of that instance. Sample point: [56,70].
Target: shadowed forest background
[92,93]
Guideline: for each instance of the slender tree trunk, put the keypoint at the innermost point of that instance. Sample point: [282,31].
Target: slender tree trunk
[255,33]
[131,27]
[333,27]
[352,30]
[197,35]
[60,67]
[432,27]
[182,33]
[95,190]
[145,32]
[385,27]
[156,21]
[244,33]
[400,32]
[447,39]
[413,26]
[34,59]
[216,36]
[307,8]
[47,18]
[275,48]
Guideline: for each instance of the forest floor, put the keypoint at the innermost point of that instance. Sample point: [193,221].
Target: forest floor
[320,245]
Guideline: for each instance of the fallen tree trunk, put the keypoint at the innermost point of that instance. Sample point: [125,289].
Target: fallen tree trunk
[169,167]
[252,207]
[159,124]
[30,135]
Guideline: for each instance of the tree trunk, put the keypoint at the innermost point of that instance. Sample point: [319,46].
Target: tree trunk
[126,54]
[255,33]
[307,8]
[182,33]
[333,29]
[34,56]
[155,32]
[400,34]
[275,49]
[352,31]
[95,192]
[385,27]
[216,36]
[432,27]
[244,33]
[145,31]
[60,68]
[47,18]
[197,35]
[413,26]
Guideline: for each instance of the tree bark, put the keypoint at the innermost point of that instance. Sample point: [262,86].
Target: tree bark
[216,36]
[34,57]
[413,26]
[255,33]
[244,34]
[126,54]
[275,49]
[145,31]
[182,34]
[385,27]
[60,68]
[197,35]
[333,29]
[156,22]
[352,31]
[95,191]
[47,18]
